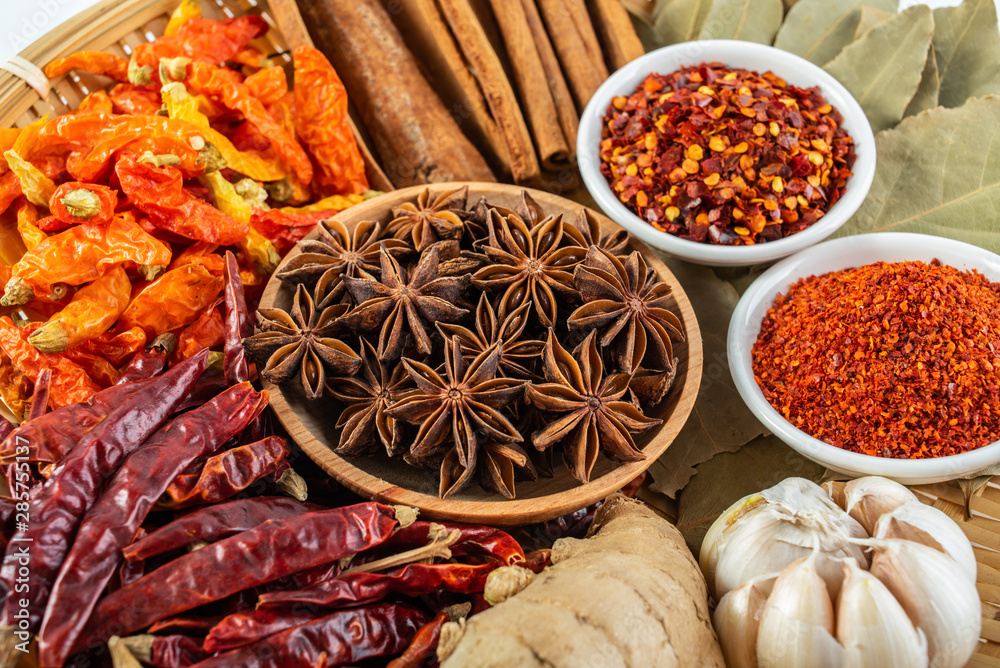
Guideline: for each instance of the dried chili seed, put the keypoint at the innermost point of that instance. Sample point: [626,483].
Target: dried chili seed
[887,359]
[738,135]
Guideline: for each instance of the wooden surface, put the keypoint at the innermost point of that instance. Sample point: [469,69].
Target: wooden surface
[311,423]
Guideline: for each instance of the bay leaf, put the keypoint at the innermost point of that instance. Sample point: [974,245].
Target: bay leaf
[870,17]
[882,70]
[926,96]
[967,47]
[746,20]
[728,477]
[720,421]
[817,30]
[680,20]
[938,173]
[788,4]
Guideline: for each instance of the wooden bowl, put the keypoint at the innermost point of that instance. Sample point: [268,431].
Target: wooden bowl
[311,423]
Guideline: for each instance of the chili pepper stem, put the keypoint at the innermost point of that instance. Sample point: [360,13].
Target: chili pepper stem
[139,76]
[437,548]
[173,69]
[215,359]
[16,292]
[151,271]
[167,342]
[292,484]
[121,655]
[406,516]
[141,646]
[159,160]
[50,338]
[81,203]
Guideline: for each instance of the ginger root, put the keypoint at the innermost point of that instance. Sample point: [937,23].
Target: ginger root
[630,594]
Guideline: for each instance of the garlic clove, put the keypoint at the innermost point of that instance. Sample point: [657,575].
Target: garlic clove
[936,595]
[737,618]
[797,621]
[927,525]
[709,555]
[872,626]
[835,490]
[870,497]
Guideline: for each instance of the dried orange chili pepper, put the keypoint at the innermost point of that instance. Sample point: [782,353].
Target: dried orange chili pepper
[69,384]
[74,202]
[267,85]
[10,189]
[201,253]
[205,332]
[322,122]
[98,101]
[35,185]
[159,192]
[95,62]
[93,310]
[202,40]
[208,80]
[137,100]
[284,229]
[15,387]
[100,370]
[251,57]
[116,347]
[80,255]
[8,137]
[187,10]
[172,300]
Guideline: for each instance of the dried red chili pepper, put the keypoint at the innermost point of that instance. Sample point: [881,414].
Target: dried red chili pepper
[249,626]
[208,80]
[226,474]
[892,359]
[129,495]
[94,62]
[474,540]
[70,382]
[186,624]
[423,646]
[537,561]
[150,361]
[159,192]
[725,155]
[116,347]
[57,509]
[210,523]
[238,324]
[174,651]
[172,300]
[74,202]
[265,553]
[343,637]
[322,122]
[100,370]
[285,229]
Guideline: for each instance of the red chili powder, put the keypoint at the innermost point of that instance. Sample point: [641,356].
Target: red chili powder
[889,359]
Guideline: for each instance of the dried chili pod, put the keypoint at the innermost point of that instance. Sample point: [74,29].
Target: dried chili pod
[213,522]
[93,62]
[424,644]
[343,637]
[172,300]
[263,554]
[250,626]
[74,202]
[116,347]
[226,474]
[474,540]
[173,651]
[115,518]
[150,361]
[207,331]
[238,324]
[60,504]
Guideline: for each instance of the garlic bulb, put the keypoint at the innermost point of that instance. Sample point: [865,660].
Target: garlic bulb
[870,497]
[835,490]
[763,533]
[796,624]
[938,597]
[737,619]
[927,525]
[872,626]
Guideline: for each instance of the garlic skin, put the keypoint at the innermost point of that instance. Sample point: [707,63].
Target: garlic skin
[936,595]
[708,556]
[797,621]
[872,626]
[929,526]
[835,490]
[870,497]
[737,620]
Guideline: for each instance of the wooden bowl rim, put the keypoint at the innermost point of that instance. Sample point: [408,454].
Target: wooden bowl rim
[500,511]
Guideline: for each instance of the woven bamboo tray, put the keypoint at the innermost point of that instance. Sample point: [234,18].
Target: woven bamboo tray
[117,26]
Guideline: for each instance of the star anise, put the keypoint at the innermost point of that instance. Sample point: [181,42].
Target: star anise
[337,253]
[530,264]
[367,395]
[459,410]
[395,304]
[627,304]
[300,341]
[516,356]
[591,413]
[496,467]
[590,227]
[428,221]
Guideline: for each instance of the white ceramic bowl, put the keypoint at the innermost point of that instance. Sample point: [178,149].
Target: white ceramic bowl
[832,256]
[796,71]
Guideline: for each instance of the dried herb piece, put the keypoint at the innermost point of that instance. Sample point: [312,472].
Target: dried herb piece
[461,408]
[368,395]
[425,222]
[397,303]
[299,341]
[680,20]
[592,417]
[517,357]
[967,48]
[746,20]
[531,264]
[817,30]
[627,304]
[926,96]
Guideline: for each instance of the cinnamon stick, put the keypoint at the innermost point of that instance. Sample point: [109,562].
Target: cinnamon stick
[555,151]
[584,73]
[581,19]
[621,43]
[569,120]
[496,88]
[435,46]
[417,139]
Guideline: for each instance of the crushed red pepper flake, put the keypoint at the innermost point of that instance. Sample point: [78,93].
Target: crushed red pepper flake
[896,360]
[723,142]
